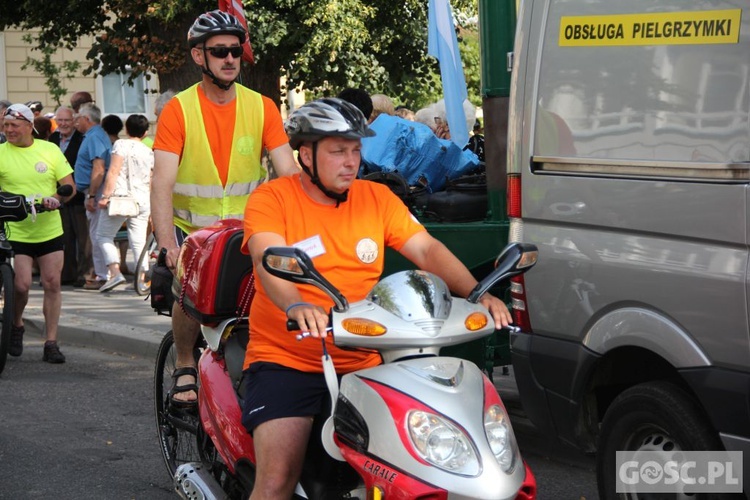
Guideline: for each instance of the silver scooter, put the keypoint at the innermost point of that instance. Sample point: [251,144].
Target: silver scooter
[420,425]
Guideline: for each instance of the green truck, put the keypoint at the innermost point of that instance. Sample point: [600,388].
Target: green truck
[478,243]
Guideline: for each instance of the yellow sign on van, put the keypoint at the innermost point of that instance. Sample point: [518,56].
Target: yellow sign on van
[666,28]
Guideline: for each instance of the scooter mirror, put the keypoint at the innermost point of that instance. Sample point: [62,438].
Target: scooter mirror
[284,264]
[515,259]
[522,262]
[293,264]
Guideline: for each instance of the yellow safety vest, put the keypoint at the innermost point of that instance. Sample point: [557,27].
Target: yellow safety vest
[199,199]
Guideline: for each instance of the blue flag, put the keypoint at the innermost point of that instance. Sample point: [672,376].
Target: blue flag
[442,44]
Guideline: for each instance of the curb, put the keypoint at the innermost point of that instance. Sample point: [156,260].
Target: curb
[137,343]
[117,321]
[123,339]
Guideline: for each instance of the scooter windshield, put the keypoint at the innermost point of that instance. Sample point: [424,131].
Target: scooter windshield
[413,295]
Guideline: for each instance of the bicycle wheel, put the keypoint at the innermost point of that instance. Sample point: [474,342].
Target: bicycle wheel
[6,306]
[177,428]
[145,264]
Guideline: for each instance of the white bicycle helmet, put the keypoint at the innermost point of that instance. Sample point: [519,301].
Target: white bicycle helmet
[327,117]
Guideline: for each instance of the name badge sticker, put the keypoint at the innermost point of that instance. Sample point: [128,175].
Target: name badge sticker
[312,246]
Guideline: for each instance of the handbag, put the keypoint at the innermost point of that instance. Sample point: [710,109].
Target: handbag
[124,206]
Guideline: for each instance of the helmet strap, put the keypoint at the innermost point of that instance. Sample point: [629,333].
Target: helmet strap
[337,197]
[209,73]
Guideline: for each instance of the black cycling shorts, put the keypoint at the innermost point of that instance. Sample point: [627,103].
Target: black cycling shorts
[273,391]
[35,250]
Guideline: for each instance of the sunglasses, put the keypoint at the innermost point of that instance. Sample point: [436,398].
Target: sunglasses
[15,114]
[222,52]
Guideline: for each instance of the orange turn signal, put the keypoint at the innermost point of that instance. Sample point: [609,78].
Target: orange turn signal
[376,493]
[363,327]
[475,321]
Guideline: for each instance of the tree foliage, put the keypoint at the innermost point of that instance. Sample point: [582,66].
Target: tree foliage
[319,45]
[54,73]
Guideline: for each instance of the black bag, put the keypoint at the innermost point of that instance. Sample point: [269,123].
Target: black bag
[464,200]
[162,297]
[12,207]
[414,197]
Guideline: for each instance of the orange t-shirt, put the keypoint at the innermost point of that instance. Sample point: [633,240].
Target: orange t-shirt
[219,121]
[347,245]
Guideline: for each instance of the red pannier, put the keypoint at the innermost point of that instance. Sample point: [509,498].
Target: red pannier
[214,278]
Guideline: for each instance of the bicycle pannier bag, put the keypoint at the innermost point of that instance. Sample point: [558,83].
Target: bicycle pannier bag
[214,278]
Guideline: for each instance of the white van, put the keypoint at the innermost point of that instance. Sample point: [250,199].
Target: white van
[629,168]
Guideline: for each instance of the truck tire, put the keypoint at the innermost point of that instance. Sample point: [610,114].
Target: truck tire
[653,416]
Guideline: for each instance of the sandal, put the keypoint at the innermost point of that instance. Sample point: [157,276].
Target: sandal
[177,389]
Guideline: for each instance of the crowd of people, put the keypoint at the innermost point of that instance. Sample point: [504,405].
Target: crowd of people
[207,165]
[74,245]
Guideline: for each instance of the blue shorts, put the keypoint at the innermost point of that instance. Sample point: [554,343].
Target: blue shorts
[273,391]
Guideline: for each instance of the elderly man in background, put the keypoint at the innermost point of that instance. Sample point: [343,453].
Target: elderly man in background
[90,168]
[75,227]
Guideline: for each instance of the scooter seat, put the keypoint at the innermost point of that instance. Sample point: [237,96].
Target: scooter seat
[234,354]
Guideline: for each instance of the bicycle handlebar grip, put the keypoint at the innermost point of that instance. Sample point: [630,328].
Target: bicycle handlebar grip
[161,259]
[39,207]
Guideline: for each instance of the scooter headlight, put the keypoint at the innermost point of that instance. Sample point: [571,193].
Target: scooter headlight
[500,437]
[442,444]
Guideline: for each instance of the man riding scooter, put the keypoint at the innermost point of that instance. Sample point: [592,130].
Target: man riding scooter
[344,225]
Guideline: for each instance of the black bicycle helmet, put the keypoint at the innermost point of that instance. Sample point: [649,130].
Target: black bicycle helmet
[327,117]
[215,23]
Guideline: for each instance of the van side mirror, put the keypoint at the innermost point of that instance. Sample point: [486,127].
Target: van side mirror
[293,264]
[515,259]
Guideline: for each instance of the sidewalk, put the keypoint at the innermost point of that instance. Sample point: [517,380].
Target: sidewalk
[118,320]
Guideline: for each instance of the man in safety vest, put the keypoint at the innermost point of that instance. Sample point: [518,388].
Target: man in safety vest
[207,154]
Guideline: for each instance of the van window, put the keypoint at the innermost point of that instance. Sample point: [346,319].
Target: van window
[665,102]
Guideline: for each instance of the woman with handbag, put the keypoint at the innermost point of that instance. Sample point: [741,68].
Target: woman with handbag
[126,197]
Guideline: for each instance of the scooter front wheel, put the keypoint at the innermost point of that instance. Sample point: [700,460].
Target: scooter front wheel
[177,428]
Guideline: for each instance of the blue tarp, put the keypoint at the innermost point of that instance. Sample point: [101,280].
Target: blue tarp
[413,150]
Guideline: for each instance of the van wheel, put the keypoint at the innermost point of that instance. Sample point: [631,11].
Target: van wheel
[654,416]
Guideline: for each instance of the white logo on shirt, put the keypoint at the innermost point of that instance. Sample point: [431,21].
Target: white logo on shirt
[367,250]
